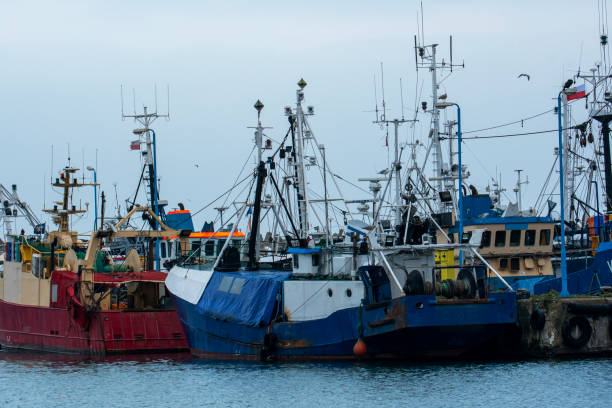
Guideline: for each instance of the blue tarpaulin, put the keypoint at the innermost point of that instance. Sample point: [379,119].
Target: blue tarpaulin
[242,297]
[586,281]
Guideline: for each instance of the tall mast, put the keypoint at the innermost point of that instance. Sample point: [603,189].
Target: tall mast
[438,162]
[568,170]
[261,174]
[302,197]
[428,60]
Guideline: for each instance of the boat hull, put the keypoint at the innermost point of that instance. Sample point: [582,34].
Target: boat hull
[406,327]
[105,332]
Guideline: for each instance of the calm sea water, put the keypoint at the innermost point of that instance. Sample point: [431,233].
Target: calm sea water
[43,380]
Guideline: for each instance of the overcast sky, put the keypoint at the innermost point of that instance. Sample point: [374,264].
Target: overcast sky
[63,63]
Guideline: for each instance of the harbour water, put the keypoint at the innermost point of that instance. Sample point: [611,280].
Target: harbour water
[45,380]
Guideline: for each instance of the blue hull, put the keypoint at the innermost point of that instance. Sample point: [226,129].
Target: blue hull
[412,326]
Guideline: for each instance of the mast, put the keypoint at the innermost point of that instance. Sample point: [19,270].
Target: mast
[146,119]
[61,215]
[396,166]
[438,162]
[261,175]
[518,190]
[568,170]
[429,61]
[302,197]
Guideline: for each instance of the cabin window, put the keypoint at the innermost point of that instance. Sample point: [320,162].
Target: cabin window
[195,245]
[315,259]
[486,239]
[515,238]
[209,248]
[515,264]
[530,236]
[236,243]
[500,238]
[163,250]
[544,237]
[466,237]
[296,263]
[53,293]
[503,263]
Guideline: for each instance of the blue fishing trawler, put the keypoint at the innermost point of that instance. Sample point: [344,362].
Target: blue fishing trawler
[334,300]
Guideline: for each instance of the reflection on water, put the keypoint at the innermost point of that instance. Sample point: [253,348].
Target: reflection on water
[37,379]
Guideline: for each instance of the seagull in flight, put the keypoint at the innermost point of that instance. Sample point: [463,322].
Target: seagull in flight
[524,75]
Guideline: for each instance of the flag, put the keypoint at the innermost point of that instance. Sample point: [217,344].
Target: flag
[580,93]
[135,145]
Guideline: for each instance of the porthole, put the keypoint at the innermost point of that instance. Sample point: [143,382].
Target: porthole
[330,292]
[349,293]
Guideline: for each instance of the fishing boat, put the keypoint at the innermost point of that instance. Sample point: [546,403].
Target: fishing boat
[384,302]
[61,294]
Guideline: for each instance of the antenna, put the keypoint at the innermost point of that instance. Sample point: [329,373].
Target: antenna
[382,84]
[168,102]
[422,25]
[375,99]
[451,53]
[155,91]
[122,118]
[134,99]
[416,60]
[402,97]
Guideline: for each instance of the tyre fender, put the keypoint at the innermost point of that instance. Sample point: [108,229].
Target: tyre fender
[569,327]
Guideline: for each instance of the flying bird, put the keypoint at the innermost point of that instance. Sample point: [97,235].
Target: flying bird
[196,165]
[524,75]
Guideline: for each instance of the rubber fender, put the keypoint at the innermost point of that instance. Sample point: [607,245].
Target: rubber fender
[269,345]
[592,310]
[269,340]
[537,320]
[583,325]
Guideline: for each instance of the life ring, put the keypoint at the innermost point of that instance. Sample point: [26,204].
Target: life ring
[584,328]
[537,320]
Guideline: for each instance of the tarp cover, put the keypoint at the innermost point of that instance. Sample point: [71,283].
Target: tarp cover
[587,281]
[242,297]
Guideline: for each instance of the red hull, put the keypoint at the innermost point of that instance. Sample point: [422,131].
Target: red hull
[113,331]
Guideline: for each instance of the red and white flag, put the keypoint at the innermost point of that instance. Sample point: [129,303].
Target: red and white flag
[580,93]
[135,145]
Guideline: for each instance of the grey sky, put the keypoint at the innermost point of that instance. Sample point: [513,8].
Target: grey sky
[63,63]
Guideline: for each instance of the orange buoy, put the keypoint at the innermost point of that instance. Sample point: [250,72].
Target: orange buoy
[360,349]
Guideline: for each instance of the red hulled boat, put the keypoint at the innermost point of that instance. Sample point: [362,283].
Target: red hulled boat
[63,295]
